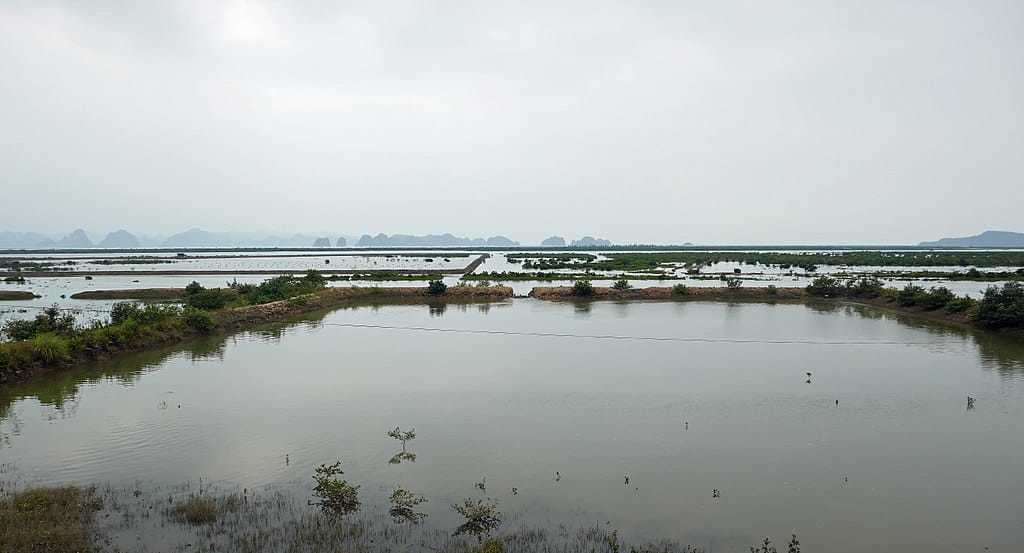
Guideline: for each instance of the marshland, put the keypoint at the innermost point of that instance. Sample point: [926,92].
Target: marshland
[186,410]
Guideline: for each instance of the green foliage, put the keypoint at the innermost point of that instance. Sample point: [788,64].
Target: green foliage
[621,285]
[864,287]
[51,320]
[198,320]
[733,283]
[824,286]
[772,290]
[193,288]
[403,506]
[681,290]
[1002,307]
[278,288]
[482,518]
[211,298]
[402,436]
[582,288]
[436,287]
[334,495]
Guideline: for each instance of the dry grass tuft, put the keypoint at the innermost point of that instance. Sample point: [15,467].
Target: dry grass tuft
[48,520]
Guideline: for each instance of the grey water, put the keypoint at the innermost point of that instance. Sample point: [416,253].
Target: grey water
[562,401]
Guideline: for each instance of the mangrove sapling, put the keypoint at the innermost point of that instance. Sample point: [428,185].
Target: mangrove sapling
[482,518]
[334,495]
[402,436]
[436,287]
[403,506]
[582,288]
[733,283]
[621,285]
[681,290]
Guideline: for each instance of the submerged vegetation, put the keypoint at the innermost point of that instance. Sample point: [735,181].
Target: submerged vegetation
[334,495]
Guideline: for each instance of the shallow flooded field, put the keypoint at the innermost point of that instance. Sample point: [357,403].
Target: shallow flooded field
[875,450]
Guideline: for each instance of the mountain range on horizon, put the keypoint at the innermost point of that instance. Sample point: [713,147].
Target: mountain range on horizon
[199,238]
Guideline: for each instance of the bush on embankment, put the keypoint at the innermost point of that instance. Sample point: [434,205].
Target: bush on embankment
[1000,307]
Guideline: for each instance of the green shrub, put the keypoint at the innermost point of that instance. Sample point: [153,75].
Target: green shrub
[210,299]
[582,288]
[733,283]
[198,320]
[122,311]
[334,495]
[481,518]
[959,305]
[772,290]
[681,290]
[935,298]
[436,287]
[824,286]
[193,288]
[622,285]
[1002,307]
[909,295]
[50,320]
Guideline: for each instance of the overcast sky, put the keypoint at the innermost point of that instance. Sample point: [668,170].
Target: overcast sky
[710,122]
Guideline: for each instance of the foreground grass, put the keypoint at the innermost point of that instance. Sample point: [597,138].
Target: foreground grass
[45,520]
[80,520]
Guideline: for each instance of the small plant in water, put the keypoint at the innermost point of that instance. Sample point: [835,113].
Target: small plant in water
[621,284]
[402,436]
[403,506]
[334,495]
[482,518]
[681,290]
[436,287]
[733,283]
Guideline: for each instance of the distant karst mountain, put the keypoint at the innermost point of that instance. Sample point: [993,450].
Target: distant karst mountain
[119,239]
[341,242]
[193,238]
[590,241]
[553,241]
[322,242]
[430,241]
[77,239]
[987,239]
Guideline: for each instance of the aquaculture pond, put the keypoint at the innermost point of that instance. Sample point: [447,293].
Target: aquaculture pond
[847,426]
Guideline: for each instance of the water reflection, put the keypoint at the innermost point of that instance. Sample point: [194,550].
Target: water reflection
[520,408]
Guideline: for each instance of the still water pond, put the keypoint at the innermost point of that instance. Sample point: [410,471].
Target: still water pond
[899,464]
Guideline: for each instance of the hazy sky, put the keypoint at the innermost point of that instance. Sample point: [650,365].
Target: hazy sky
[711,122]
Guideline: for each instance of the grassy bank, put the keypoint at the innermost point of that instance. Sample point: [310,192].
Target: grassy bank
[10,295]
[53,340]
